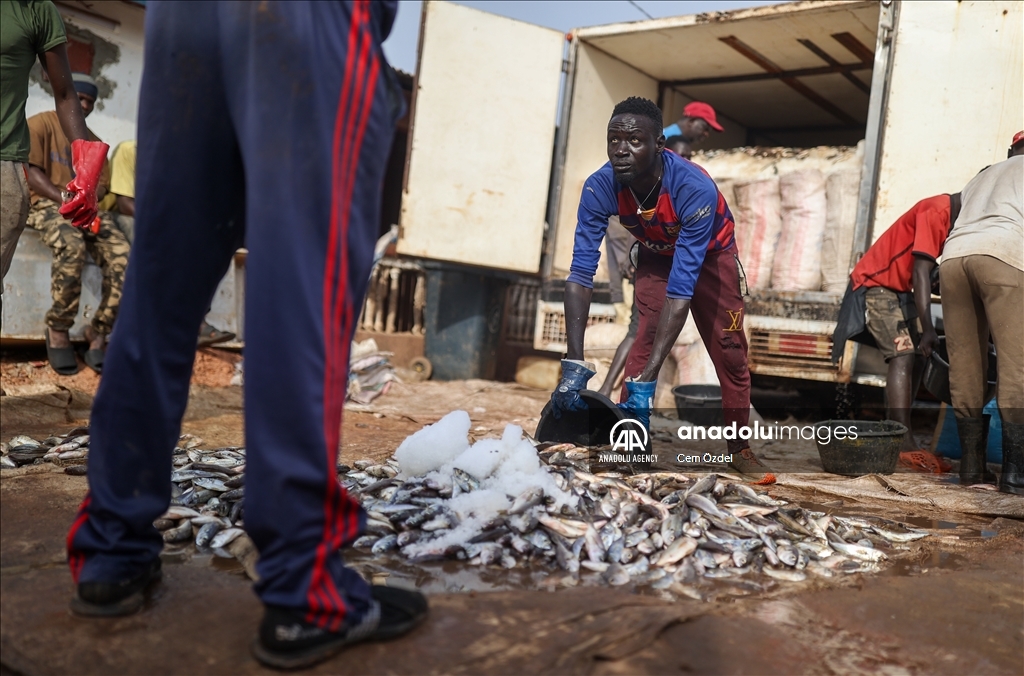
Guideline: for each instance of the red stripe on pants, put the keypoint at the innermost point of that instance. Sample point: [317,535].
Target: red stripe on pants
[75,558]
[327,608]
[717,308]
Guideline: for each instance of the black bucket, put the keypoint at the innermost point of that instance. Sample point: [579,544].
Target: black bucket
[936,373]
[875,450]
[699,404]
[591,427]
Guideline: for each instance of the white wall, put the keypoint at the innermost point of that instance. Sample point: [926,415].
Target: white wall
[955,100]
[114,118]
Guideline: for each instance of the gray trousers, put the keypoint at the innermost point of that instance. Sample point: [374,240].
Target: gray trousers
[983,296]
[13,211]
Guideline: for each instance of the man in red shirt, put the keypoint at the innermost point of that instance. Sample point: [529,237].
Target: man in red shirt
[893,279]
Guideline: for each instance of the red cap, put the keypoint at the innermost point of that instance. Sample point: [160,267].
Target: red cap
[1017,138]
[704,112]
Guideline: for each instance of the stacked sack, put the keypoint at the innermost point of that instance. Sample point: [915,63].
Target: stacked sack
[795,211]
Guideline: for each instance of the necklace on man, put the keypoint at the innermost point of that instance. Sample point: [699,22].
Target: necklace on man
[639,204]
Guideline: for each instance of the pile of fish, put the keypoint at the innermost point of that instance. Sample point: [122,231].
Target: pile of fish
[206,487]
[207,497]
[68,449]
[664,530]
[660,529]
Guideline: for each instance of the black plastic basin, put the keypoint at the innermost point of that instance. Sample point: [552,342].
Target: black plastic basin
[699,404]
[875,450]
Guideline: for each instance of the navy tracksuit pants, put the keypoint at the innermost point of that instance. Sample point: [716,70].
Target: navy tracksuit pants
[265,124]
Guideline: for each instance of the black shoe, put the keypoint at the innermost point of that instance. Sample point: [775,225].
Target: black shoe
[115,599]
[973,434]
[287,641]
[1011,477]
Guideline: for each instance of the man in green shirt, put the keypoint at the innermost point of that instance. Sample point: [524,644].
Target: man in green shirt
[31,29]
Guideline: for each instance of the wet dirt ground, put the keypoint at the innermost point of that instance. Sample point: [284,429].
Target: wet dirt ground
[956,607]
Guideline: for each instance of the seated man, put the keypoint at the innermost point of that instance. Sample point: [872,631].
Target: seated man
[49,170]
[122,185]
[879,309]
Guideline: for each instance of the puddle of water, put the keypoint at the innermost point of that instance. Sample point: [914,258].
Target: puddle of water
[937,560]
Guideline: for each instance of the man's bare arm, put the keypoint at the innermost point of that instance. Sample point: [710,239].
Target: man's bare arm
[69,111]
[577,310]
[673,317]
[923,300]
[41,185]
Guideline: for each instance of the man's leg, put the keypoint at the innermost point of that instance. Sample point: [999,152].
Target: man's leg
[897,391]
[649,296]
[718,310]
[314,163]
[967,333]
[109,248]
[1001,287]
[190,200]
[967,347]
[68,247]
[13,211]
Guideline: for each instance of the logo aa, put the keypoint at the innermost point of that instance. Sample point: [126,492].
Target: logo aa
[628,435]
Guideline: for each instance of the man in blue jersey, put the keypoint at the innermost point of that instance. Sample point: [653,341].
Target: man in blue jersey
[687,262]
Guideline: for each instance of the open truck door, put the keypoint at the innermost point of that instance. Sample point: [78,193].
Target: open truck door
[952,101]
[483,130]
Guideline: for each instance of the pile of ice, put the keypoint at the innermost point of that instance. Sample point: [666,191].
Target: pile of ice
[505,468]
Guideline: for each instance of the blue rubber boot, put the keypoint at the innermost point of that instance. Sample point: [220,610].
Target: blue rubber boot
[640,400]
[566,397]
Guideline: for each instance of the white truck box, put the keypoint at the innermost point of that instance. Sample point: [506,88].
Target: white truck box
[934,89]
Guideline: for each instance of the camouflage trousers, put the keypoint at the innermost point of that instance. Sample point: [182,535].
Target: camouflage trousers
[108,248]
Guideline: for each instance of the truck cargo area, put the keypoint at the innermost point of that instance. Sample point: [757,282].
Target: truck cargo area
[796,75]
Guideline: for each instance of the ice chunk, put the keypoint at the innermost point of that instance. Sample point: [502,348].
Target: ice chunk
[434,446]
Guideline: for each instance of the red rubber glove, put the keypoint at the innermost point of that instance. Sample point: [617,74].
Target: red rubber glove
[87,158]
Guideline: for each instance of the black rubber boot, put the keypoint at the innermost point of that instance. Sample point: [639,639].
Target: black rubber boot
[974,444]
[1011,478]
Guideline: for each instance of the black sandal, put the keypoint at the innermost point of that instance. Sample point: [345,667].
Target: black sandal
[62,359]
[94,359]
[209,335]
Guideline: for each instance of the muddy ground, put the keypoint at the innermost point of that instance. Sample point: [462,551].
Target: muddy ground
[956,607]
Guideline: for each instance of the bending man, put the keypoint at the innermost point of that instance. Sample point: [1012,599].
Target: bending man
[687,260]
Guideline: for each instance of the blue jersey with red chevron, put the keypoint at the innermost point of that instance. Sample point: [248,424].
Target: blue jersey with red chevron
[690,219]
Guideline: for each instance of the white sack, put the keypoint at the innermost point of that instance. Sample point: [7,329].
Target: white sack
[841,190]
[694,365]
[758,215]
[797,264]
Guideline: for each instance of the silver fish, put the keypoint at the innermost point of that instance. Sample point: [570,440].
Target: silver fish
[530,498]
[180,533]
[225,537]
[784,574]
[206,533]
[679,549]
[616,575]
[595,548]
[385,544]
[856,551]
